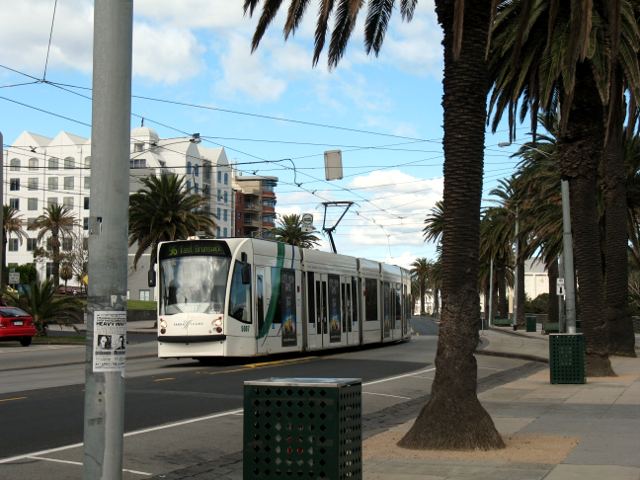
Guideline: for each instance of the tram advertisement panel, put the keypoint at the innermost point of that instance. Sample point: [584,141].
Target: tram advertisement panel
[288,307]
[334,309]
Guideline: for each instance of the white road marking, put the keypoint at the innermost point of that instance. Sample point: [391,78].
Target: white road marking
[387,395]
[389,379]
[69,462]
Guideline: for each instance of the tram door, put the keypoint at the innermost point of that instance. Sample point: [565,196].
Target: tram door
[319,338]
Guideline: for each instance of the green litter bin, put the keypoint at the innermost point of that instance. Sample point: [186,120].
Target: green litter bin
[566,358]
[531,323]
[302,428]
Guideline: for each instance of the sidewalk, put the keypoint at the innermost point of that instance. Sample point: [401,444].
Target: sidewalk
[555,432]
[552,432]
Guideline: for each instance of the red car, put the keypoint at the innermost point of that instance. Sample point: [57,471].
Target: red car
[16,324]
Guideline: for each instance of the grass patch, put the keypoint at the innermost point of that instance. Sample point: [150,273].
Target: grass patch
[141,305]
[71,339]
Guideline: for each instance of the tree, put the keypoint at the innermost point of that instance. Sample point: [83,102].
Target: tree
[420,269]
[11,225]
[164,210]
[58,222]
[66,273]
[289,230]
[442,423]
[41,302]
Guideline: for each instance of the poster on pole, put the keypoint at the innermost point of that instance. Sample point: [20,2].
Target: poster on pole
[109,341]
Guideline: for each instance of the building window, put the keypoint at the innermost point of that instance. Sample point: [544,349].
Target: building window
[30,223]
[217,231]
[218,213]
[14,164]
[224,215]
[188,168]
[69,163]
[196,170]
[85,223]
[67,244]
[51,201]
[52,163]
[188,185]
[67,202]
[196,188]
[219,177]
[14,203]
[138,163]
[13,244]
[138,147]
[86,203]
[32,184]
[49,269]
[33,164]
[226,197]
[87,183]
[87,162]
[224,232]
[32,243]
[144,294]
[68,183]
[14,184]
[52,183]
[85,243]
[205,190]
[32,204]
[226,179]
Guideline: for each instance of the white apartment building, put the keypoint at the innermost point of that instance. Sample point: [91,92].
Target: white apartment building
[39,171]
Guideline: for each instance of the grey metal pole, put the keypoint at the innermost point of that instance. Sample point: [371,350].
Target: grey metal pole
[562,324]
[108,223]
[567,240]
[2,252]
[514,320]
[491,293]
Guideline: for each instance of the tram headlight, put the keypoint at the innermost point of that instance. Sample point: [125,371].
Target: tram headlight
[163,326]
[217,325]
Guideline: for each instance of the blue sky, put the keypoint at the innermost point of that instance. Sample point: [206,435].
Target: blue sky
[387,109]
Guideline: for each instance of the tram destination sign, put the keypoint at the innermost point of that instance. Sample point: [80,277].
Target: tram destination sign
[193,248]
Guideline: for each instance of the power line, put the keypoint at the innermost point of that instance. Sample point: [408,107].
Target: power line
[53,20]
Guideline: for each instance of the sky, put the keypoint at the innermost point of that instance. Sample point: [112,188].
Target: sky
[272,111]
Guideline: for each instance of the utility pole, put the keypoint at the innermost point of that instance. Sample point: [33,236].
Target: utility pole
[516,283]
[2,252]
[106,308]
[567,245]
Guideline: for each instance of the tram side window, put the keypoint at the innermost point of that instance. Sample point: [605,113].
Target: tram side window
[371,300]
[260,297]
[398,302]
[240,296]
[285,308]
[311,300]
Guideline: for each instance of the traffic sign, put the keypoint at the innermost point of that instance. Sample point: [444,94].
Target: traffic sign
[14,278]
[307,219]
[560,286]
[308,228]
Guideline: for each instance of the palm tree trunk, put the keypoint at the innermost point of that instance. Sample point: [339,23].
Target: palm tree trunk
[520,294]
[503,305]
[580,149]
[422,312]
[552,306]
[453,417]
[621,336]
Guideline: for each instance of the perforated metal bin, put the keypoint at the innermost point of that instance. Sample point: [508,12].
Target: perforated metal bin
[566,358]
[304,428]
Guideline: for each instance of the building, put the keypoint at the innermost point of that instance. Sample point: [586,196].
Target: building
[255,205]
[40,171]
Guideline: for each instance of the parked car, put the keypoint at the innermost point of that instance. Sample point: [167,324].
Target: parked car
[16,324]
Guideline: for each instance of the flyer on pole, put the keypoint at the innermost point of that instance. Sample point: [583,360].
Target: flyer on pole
[109,341]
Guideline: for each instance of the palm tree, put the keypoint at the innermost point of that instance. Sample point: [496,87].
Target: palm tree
[40,300]
[57,221]
[420,270]
[11,225]
[290,230]
[560,56]
[463,424]
[163,210]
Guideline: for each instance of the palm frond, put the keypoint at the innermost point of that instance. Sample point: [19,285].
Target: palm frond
[294,16]
[269,11]
[345,20]
[376,24]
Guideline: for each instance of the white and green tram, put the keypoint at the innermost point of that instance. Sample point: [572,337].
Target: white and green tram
[243,297]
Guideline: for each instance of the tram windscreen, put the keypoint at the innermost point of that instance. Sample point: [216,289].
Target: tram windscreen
[193,284]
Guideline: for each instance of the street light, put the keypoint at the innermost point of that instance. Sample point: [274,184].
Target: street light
[567,245]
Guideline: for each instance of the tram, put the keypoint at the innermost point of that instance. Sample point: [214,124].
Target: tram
[244,297]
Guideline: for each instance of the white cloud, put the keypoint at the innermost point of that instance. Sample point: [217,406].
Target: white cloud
[211,14]
[165,54]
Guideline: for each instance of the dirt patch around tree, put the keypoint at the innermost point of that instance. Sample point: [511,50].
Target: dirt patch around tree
[520,448]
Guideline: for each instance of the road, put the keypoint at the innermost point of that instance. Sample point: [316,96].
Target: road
[180,413]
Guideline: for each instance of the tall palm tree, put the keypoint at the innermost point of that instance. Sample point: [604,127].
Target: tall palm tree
[58,222]
[11,225]
[290,230]
[463,424]
[561,55]
[164,210]
[420,270]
